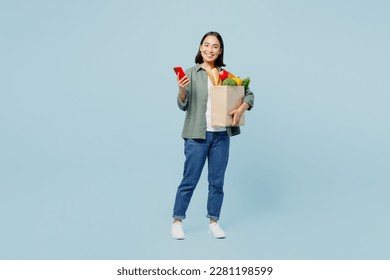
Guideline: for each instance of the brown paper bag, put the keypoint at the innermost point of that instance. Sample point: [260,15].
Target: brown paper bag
[225,99]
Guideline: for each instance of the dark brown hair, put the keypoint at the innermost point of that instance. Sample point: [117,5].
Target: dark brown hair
[219,60]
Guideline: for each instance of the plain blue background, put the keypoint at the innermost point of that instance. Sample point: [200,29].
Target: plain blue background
[91,153]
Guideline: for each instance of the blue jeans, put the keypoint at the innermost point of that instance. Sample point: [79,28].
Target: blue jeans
[216,150]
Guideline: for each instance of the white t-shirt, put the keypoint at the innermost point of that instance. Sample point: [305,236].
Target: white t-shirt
[208,111]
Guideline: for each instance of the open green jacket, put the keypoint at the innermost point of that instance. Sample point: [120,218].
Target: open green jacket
[195,105]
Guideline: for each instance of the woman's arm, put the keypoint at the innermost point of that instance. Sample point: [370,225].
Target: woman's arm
[247,104]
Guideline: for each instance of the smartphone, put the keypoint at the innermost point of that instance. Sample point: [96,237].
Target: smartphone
[179,70]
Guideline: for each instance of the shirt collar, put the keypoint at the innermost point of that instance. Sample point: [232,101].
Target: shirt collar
[198,67]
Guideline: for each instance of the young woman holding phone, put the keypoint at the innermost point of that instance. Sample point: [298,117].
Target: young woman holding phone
[201,140]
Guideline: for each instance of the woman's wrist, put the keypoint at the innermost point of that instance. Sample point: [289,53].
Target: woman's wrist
[244,106]
[182,94]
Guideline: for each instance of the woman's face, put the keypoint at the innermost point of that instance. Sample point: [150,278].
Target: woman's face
[210,49]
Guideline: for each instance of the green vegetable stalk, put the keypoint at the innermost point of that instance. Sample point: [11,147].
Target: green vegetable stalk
[246,82]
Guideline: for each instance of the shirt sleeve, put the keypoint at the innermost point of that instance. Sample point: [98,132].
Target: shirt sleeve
[183,105]
[249,98]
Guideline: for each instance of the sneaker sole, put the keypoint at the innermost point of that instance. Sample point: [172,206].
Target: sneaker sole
[222,237]
[178,238]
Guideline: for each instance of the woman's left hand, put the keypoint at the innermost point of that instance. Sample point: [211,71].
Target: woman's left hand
[237,113]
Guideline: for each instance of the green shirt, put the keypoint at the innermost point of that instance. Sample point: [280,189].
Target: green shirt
[195,105]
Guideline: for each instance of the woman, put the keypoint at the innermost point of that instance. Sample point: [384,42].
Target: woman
[201,140]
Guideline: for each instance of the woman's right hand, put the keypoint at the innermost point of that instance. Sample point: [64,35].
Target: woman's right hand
[183,82]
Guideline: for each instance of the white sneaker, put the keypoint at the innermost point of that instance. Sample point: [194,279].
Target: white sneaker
[177,231]
[216,231]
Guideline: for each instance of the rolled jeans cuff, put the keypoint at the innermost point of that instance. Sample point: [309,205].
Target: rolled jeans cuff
[214,218]
[179,217]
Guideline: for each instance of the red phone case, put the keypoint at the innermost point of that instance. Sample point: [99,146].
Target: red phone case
[179,70]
